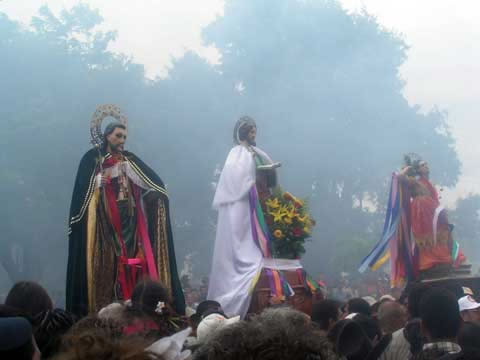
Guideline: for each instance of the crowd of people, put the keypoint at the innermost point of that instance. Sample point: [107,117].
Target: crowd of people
[428,322]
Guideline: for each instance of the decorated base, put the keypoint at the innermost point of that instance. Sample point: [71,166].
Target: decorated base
[303,298]
[455,284]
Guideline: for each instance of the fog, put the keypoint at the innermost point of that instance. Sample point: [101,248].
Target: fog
[323,85]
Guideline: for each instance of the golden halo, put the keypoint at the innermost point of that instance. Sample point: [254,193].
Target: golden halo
[99,115]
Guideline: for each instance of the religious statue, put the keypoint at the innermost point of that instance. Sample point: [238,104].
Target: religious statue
[416,228]
[242,236]
[119,225]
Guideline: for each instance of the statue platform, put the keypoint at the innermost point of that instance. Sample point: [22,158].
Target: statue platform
[302,300]
[453,278]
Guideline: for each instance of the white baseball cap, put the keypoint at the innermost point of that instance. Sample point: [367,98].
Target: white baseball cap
[468,303]
[212,323]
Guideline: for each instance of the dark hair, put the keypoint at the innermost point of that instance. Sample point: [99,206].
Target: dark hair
[359,305]
[143,308]
[440,313]
[279,334]
[324,311]
[16,341]
[29,297]
[24,352]
[243,130]
[8,311]
[146,296]
[469,336]
[109,328]
[99,346]
[369,325]
[207,305]
[50,327]
[349,339]
[414,297]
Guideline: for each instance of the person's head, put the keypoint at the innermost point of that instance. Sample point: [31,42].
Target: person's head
[349,339]
[414,296]
[115,136]
[440,315]
[245,131]
[391,316]
[93,324]
[29,297]
[99,346]
[326,313]
[279,334]
[50,327]
[469,309]
[271,317]
[16,340]
[151,298]
[358,305]
[209,306]
[8,311]
[369,326]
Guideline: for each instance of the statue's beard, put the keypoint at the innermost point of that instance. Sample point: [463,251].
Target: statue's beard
[116,148]
[251,142]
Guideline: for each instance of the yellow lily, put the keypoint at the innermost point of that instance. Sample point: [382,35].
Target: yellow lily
[274,204]
[277,215]
[302,219]
[290,212]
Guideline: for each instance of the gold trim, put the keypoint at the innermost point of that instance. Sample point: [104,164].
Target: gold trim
[145,178]
[86,201]
[163,260]
[91,245]
[90,192]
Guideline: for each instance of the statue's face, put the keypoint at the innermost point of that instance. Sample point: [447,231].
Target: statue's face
[116,140]
[252,135]
[424,169]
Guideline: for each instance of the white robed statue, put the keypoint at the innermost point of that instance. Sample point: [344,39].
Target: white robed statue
[242,239]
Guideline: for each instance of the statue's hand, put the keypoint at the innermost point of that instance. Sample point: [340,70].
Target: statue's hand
[405,170]
[101,180]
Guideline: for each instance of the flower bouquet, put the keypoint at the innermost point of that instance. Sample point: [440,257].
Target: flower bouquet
[289,223]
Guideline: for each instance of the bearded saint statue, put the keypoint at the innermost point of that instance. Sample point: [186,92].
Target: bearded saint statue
[119,226]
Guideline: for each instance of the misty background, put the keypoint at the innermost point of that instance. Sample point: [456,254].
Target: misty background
[323,83]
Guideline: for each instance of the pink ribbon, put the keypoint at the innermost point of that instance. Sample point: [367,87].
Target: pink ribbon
[143,233]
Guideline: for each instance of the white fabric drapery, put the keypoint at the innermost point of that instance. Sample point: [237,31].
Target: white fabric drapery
[236,258]
[116,170]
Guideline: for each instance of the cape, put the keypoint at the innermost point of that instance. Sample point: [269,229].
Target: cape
[77,294]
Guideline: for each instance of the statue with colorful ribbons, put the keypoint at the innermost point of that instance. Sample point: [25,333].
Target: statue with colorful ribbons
[119,226]
[417,237]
